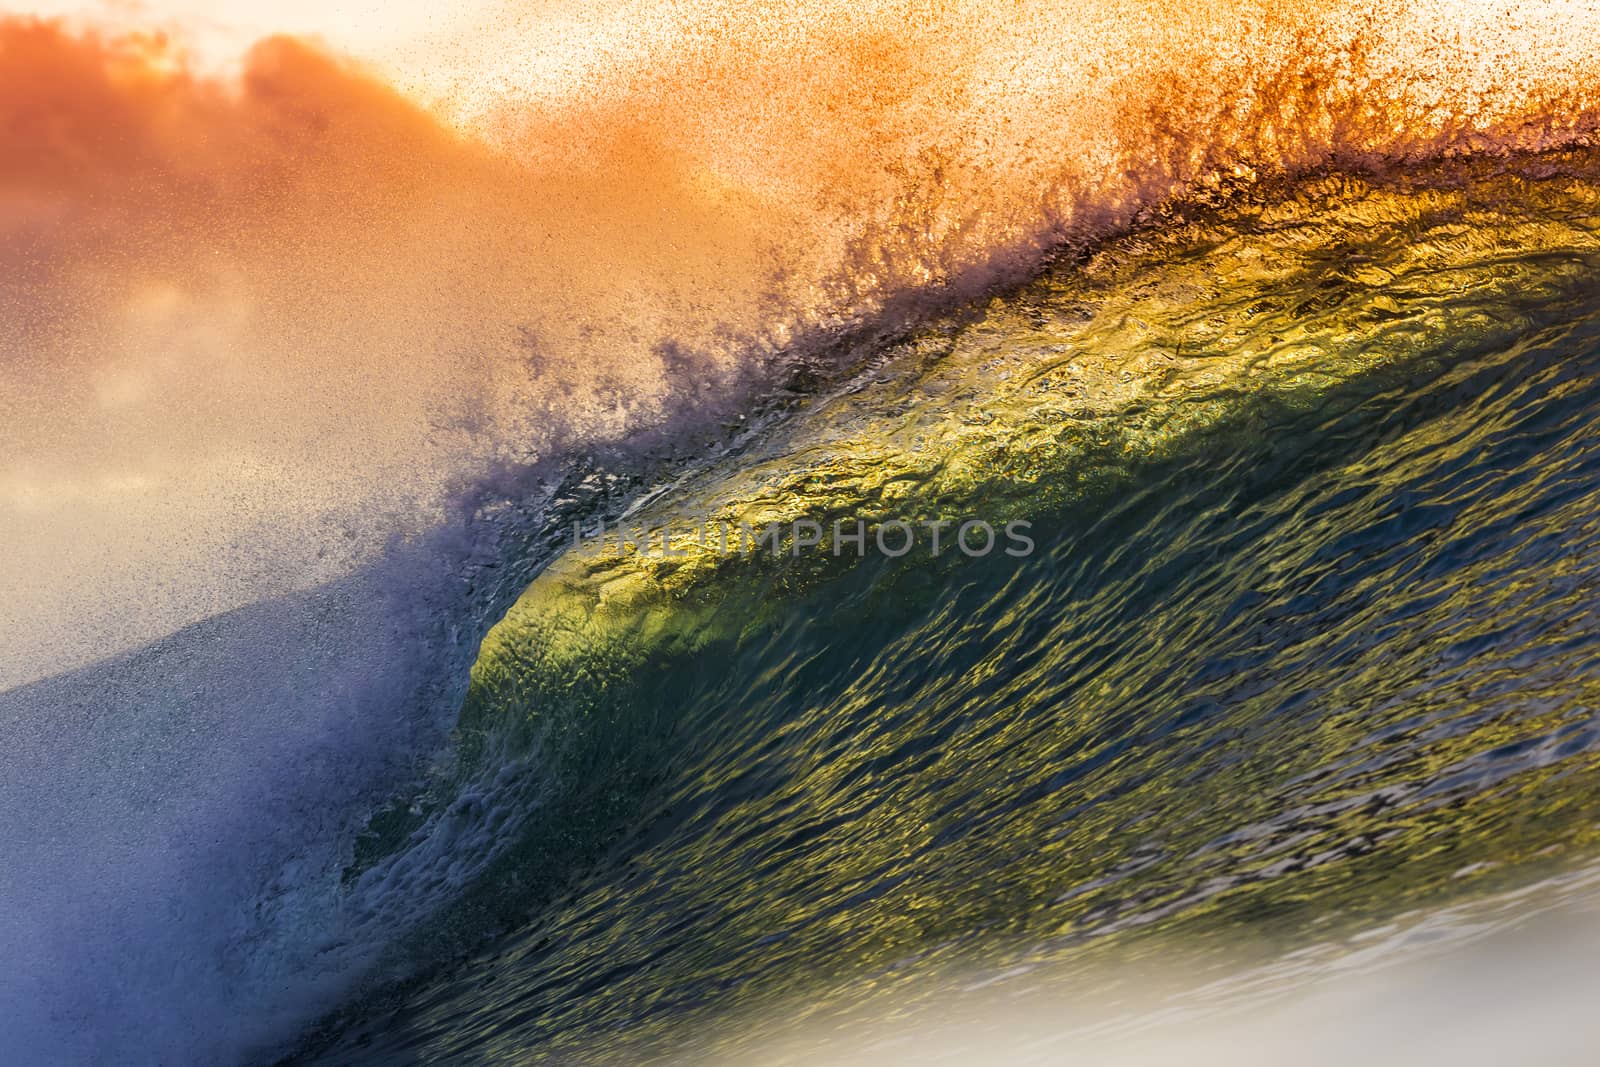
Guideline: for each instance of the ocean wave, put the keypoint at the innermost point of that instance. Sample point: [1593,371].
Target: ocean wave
[1200,393]
[306,384]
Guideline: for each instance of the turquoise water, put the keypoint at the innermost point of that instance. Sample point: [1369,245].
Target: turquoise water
[1307,641]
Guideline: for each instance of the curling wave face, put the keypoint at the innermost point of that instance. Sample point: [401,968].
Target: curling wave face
[1305,643]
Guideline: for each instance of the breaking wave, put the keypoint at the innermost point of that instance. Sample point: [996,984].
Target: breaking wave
[306,383]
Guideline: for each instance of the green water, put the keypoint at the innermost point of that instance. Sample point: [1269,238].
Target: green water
[1307,641]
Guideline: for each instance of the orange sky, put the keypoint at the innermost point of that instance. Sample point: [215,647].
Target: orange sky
[392,35]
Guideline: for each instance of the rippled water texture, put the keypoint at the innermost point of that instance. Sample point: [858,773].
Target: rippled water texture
[1308,641]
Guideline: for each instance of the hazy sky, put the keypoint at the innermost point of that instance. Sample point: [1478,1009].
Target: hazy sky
[451,55]
[372,28]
